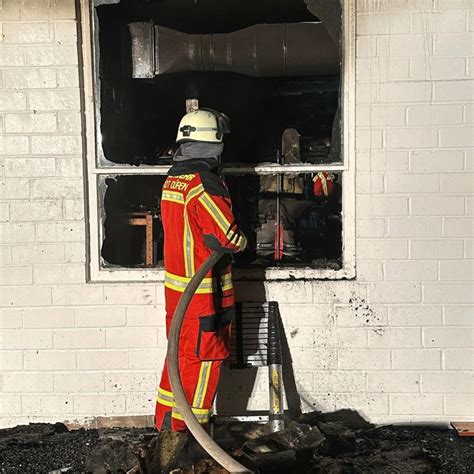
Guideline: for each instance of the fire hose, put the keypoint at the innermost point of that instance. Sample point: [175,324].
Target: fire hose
[199,433]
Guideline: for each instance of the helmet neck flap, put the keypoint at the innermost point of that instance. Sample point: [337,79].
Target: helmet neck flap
[199,150]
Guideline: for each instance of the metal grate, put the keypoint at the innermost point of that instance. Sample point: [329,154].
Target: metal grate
[249,340]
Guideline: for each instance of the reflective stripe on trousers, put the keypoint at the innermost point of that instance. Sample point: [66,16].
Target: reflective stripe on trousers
[166,398]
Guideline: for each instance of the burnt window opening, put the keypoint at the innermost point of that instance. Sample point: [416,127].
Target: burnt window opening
[127,201]
[306,230]
[139,125]
[139,118]
[299,226]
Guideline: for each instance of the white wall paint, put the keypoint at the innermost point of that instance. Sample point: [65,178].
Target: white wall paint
[396,344]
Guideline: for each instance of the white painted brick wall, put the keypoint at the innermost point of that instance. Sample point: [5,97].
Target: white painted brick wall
[395,345]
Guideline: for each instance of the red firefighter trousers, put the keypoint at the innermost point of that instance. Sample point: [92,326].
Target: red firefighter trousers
[204,344]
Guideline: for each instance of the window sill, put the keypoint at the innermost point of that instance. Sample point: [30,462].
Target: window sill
[134,275]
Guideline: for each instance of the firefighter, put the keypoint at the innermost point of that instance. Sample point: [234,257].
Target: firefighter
[197,219]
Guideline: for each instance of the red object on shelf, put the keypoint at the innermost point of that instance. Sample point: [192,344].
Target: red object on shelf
[323,184]
[278,255]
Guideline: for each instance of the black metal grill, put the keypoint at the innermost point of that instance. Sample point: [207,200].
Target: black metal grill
[249,342]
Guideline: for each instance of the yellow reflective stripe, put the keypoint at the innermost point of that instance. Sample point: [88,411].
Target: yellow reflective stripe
[202,414]
[227,278]
[188,239]
[169,199]
[241,241]
[165,397]
[227,287]
[174,287]
[176,283]
[220,219]
[226,282]
[188,242]
[203,381]
[165,402]
[182,279]
[208,285]
[201,411]
[201,419]
[186,177]
[233,235]
[205,291]
[165,392]
[199,291]
[194,192]
[215,212]
[179,284]
[202,286]
[186,280]
[197,390]
[180,289]
[207,281]
[173,195]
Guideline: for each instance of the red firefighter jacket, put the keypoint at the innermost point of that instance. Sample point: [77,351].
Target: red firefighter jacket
[197,219]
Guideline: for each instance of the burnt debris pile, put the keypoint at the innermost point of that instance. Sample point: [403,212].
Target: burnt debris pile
[43,447]
[340,442]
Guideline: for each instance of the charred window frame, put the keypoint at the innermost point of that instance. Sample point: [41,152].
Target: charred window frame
[99,169]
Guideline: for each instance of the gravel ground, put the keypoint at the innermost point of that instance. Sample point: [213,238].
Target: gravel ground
[45,448]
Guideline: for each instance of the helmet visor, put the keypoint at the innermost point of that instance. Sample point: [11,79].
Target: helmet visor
[224,122]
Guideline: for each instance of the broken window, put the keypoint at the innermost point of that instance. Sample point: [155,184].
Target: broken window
[274,69]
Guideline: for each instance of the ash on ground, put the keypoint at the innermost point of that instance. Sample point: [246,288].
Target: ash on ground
[340,442]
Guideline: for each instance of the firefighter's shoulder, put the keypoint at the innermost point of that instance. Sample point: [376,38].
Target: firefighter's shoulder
[213,184]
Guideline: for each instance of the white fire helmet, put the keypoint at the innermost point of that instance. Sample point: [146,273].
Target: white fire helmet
[203,125]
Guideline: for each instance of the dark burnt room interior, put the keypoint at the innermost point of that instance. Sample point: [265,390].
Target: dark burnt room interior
[139,118]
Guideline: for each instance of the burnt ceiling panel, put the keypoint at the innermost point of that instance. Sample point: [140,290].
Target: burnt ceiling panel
[208,16]
[329,12]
